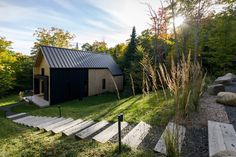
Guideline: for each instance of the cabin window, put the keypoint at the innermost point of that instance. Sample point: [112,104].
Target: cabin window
[42,71]
[103,83]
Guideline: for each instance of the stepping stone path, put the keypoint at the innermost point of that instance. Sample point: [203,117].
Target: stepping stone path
[108,133]
[136,135]
[16,115]
[58,124]
[92,129]
[171,128]
[68,125]
[78,127]
[221,137]
[41,126]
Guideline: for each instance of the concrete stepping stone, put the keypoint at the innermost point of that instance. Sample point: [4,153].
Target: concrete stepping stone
[171,128]
[16,115]
[33,120]
[40,121]
[22,120]
[109,132]
[78,127]
[221,137]
[136,135]
[55,125]
[41,126]
[92,129]
[66,126]
[46,120]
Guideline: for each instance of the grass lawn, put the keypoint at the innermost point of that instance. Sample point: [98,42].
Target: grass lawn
[11,99]
[151,109]
[17,140]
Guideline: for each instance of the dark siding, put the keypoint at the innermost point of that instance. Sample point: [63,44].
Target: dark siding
[68,84]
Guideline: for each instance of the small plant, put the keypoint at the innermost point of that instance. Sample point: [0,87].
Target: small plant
[21,95]
[172,143]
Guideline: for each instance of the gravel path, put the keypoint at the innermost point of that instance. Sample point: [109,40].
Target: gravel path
[195,142]
[7,109]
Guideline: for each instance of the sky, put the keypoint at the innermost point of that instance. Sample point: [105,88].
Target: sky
[102,20]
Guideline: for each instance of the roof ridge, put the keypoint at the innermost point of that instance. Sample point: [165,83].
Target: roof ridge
[92,52]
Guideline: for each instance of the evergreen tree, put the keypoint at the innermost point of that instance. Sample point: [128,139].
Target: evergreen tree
[130,55]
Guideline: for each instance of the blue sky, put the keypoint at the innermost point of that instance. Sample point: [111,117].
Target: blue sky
[89,20]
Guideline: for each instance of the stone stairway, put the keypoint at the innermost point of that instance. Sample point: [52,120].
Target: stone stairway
[221,136]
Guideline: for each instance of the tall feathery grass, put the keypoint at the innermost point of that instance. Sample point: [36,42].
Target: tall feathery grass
[184,81]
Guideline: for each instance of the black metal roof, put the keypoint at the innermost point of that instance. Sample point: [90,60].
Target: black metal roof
[67,58]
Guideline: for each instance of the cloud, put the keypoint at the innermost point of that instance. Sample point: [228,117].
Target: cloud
[91,20]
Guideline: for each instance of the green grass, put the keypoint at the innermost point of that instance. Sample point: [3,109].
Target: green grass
[151,109]
[11,99]
[17,140]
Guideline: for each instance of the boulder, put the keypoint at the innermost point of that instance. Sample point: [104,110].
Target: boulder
[223,80]
[226,98]
[225,154]
[215,89]
[232,76]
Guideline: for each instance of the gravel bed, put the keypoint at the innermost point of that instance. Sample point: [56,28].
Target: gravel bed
[231,111]
[124,132]
[196,142]
[150,141]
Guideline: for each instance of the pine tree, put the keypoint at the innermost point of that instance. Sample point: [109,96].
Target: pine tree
[130,55]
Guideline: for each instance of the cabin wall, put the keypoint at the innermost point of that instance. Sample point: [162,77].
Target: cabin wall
[95,81]
[68,84]
[37,71]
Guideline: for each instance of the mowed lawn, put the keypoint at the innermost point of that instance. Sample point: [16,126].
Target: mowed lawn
[151,109]
[11,99]
[17,140]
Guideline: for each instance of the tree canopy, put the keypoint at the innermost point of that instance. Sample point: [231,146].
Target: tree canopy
[52,37]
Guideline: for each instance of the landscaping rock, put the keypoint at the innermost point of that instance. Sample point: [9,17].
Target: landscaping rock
[215,89]
[226,98]
[232,76]
[226,79]
[225,154]
[223,80]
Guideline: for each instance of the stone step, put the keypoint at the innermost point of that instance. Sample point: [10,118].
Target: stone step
[221,137]
[16,115]
[41,126]
[136,135]
[40,121]
[171,128]
[55,125]
[92,129]
[109,132]
[66,126]
[78,127]
[22,120]
[33,120]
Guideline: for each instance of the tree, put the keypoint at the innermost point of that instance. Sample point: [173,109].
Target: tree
[51,37]
[99,46]
[219,47]
[23,67]
[195,11]
[7,58]
[131,64]
[159,29]
[130,54]
[86,47]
